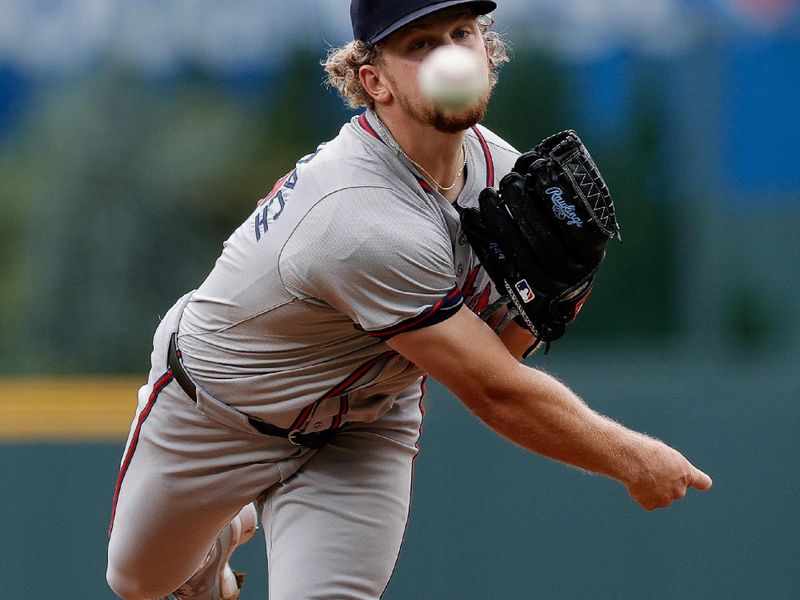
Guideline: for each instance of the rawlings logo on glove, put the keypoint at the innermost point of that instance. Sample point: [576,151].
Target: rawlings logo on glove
[542,236]
[562,210]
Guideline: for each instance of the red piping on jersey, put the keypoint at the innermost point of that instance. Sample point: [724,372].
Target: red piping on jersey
[475,302]
[304,414]
[340,387]
[453,298]
[480,303]
[469,289]
[362,120]
[487,155]
[424,184]
[157,387]
[344,407]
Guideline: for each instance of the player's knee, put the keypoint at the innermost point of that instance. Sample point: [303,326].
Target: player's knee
[121,584]
[131,586]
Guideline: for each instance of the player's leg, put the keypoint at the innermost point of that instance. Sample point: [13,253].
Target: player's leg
[215,579]
[183,478]
[182,482]
[334,529]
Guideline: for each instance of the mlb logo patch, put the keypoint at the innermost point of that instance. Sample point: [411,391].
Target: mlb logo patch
[525,291]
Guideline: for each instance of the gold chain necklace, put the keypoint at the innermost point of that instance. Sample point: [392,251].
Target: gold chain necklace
[399,150]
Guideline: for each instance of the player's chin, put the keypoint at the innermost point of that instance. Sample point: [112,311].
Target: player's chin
[448,121]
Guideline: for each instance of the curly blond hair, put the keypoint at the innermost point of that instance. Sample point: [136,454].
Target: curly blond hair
[342,64]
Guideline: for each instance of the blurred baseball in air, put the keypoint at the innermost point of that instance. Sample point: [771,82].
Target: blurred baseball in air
[452,78]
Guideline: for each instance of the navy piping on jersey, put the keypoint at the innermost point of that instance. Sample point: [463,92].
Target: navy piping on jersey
[430,315]
[362,120]
[364,123]
[487,155]
[151,401]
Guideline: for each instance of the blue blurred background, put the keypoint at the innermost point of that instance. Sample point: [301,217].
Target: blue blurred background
[136,134]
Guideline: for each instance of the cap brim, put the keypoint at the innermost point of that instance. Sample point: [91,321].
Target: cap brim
[480,6]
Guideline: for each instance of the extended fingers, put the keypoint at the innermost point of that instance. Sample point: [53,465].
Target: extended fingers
[701,481]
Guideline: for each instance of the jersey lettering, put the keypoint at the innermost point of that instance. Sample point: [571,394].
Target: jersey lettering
[291,180]
[270,213]
[278,186]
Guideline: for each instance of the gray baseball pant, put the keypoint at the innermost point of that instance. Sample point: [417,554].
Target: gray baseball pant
[333,518]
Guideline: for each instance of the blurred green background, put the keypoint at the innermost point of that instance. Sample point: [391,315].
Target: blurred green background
[135,136]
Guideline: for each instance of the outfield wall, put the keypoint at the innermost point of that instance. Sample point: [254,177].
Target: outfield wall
[489,520]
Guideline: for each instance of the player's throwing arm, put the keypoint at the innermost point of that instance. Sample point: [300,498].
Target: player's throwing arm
[537,412]
[542,239]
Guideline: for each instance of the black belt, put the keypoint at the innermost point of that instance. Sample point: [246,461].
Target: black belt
[310,440]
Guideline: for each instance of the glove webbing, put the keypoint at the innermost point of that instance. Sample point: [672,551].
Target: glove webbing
[587,181]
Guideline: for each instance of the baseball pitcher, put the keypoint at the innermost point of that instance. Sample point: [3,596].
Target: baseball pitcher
[286,389]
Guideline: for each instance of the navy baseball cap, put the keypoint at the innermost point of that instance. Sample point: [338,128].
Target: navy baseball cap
[374,20]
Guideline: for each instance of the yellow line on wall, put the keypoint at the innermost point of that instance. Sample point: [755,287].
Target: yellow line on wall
[67,409]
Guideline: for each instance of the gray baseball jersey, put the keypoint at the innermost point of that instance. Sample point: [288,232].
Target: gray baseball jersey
[350,248]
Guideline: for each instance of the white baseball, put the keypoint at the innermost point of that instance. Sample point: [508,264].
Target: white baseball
[452,78]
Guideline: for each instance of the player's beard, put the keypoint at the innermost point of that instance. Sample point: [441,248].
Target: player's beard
[456,122]
[446,121]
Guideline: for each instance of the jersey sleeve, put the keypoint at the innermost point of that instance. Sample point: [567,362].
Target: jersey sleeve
[385,261]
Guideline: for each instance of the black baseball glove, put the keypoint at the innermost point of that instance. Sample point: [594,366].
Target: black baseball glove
[543,235]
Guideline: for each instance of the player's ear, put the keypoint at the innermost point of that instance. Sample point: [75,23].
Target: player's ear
[373,81]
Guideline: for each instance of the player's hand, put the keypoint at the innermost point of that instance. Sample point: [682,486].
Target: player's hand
[666,477]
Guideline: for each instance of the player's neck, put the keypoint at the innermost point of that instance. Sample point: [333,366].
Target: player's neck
[439,156]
